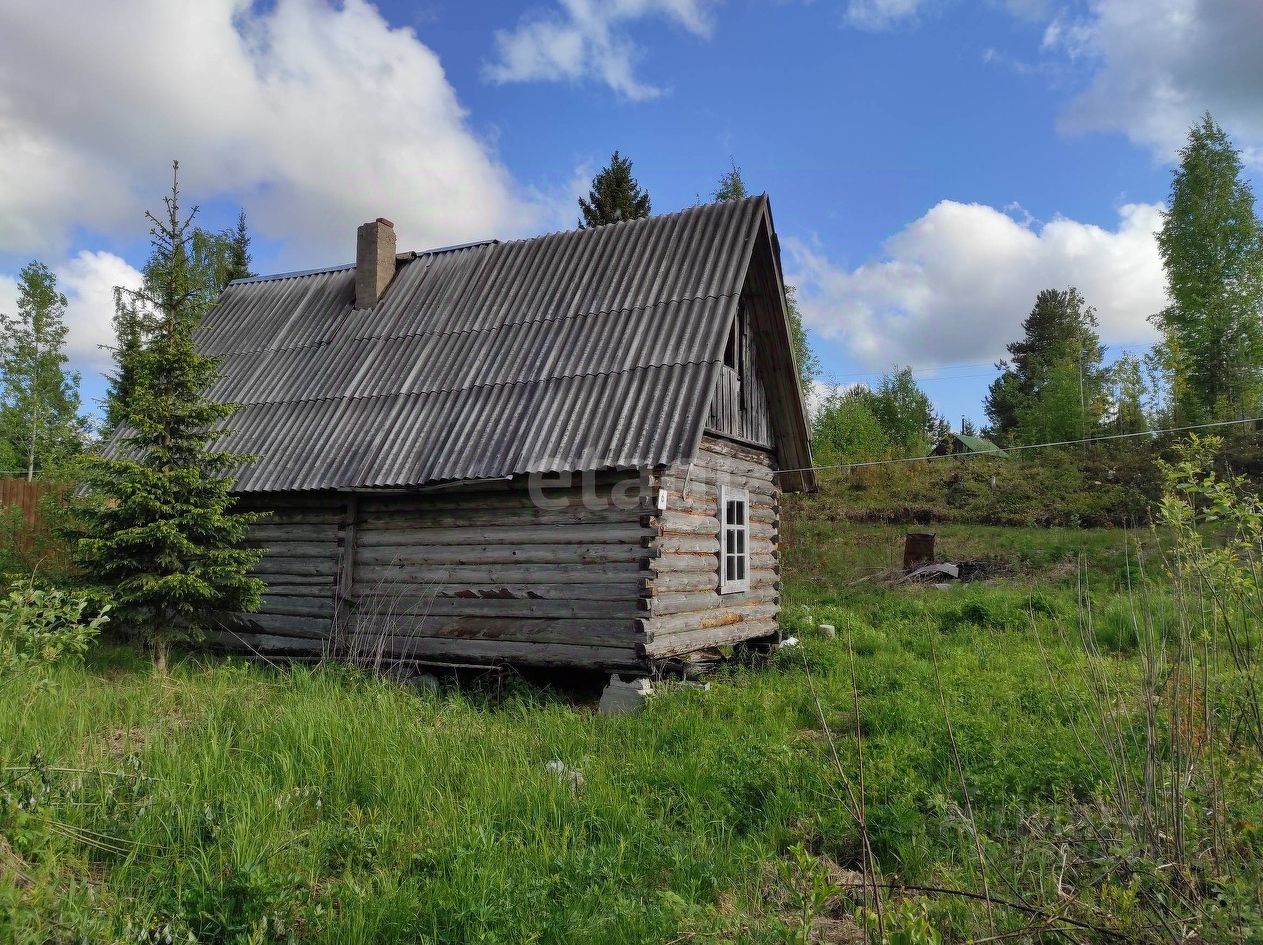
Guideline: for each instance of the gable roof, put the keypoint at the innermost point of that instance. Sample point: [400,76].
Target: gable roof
[579,350]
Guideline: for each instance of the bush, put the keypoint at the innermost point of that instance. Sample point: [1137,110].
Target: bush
[39,626]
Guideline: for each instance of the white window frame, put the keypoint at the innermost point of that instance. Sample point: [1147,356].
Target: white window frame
[734,540]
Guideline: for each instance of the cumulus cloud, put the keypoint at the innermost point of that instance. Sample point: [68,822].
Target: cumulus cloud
[315,115]
[588,40]
[88,280]
[1158,64]
[954,285]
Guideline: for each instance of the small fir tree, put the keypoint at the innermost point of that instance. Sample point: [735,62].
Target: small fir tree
[615,196]
[157,532]
[40,422]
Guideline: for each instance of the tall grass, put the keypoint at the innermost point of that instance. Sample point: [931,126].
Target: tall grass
[1063,754]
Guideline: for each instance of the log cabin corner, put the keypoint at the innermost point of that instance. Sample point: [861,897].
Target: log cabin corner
[559,451]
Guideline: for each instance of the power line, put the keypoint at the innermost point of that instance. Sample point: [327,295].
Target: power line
[1028,446]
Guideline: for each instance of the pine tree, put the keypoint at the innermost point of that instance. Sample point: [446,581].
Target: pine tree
[1054,385]
[39,398]
[157,534]
[615,196]
[1212,247]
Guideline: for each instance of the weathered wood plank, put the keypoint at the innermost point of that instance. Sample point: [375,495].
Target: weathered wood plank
[524,574]
[692,621]
[501,651]
[475,518]
[576,631]
[285,624]
[668,646]
[403,603]
[265,644]
[709,601]
[395,534]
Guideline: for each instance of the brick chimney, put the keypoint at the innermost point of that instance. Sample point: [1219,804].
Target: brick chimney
[374,261]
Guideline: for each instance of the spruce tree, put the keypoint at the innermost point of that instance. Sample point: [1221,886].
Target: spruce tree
[615,196]
[158,535]
[39,398]
[1212,247]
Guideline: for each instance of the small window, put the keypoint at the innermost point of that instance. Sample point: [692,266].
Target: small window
[734,540]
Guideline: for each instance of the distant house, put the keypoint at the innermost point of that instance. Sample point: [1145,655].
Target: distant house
[565,450]
[960,443]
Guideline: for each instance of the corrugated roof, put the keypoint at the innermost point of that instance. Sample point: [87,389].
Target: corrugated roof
[585,349]
[978,444]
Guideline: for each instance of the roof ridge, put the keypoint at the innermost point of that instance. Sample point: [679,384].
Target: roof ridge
[695,208]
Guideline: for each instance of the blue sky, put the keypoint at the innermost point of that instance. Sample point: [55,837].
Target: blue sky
[932,163]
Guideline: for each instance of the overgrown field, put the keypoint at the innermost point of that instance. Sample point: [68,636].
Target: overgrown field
[1008,745]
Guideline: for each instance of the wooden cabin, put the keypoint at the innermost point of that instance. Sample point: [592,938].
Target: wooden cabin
[563,451]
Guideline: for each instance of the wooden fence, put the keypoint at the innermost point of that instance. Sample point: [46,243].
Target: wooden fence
[24,497]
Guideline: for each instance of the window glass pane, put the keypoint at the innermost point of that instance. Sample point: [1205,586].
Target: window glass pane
[741,569]
[740,513]
[740,536]
[732,567]
[730,542]
[730,512]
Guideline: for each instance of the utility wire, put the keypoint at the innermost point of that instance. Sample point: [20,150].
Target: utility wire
[1028,446]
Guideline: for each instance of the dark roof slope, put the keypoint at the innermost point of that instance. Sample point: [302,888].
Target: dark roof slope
[585,349]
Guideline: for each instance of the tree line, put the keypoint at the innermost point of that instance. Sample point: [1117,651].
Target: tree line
[1055,386]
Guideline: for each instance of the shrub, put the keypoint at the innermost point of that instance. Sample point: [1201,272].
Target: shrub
[39,626]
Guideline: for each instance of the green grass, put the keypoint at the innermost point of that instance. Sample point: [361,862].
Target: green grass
[243,804]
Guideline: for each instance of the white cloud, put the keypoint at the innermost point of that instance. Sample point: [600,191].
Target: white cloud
[1158,64]
[588,40]
[315,115]
[954,285]
[885,14]
[88,280]
[881,14]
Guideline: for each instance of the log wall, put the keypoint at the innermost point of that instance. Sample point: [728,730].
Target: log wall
[687,611]
[480,574]
[305,538]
